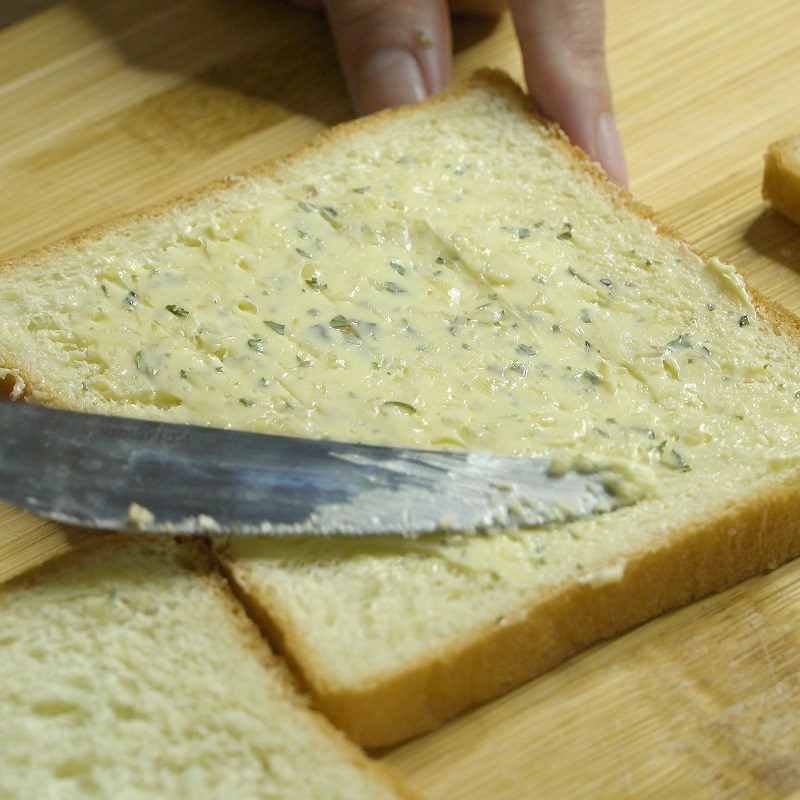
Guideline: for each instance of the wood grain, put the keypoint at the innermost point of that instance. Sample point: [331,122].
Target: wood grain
[106,106]
[14,10]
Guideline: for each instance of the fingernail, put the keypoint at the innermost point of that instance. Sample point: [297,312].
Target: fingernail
[608,149]
[390,77]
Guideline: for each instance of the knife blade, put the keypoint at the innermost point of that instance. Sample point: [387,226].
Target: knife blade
[115,473]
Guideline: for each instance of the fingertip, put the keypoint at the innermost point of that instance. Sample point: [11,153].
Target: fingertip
[608,149]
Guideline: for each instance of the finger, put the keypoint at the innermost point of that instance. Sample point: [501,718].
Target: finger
[391,52]
[563,51]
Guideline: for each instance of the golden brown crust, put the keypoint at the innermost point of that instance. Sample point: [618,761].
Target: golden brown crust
[757,535]
[782,177]
[249,626]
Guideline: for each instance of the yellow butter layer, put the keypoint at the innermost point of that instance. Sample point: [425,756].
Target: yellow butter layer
[414,310]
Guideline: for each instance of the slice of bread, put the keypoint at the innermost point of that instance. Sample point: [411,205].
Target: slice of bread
[131,672]
[782,177]
[453,274]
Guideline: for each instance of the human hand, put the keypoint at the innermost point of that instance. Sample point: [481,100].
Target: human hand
[398,51]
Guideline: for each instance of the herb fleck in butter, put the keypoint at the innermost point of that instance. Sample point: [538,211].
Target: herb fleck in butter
[592,377]
[142,366]
[407,407]
[684,340]
[340,321]
[276,326]
[397,267]
[177,310]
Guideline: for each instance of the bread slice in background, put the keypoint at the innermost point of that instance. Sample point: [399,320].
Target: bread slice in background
[589,329]
[131,672]
[782,177]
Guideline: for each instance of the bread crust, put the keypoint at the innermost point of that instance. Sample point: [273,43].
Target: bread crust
[756,536]
[759,533]
[254,640]
[781,185]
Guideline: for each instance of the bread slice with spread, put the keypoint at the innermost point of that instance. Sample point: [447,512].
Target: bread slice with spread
[449,275]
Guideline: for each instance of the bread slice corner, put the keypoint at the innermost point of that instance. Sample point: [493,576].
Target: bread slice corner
[781,187]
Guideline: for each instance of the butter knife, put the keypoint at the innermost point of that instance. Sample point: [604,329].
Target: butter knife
[115,473]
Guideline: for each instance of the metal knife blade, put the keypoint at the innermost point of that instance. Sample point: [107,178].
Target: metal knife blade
[114,473]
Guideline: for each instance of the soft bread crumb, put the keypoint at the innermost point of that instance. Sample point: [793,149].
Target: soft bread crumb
[131,672]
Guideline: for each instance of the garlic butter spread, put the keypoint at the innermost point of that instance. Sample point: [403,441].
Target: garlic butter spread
[416,304]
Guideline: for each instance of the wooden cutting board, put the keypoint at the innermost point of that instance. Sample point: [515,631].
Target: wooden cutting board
[106,105]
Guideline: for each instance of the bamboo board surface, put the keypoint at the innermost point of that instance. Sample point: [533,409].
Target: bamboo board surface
[107,106]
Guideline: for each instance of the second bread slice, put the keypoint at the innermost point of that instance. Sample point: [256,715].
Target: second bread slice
[130,672]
